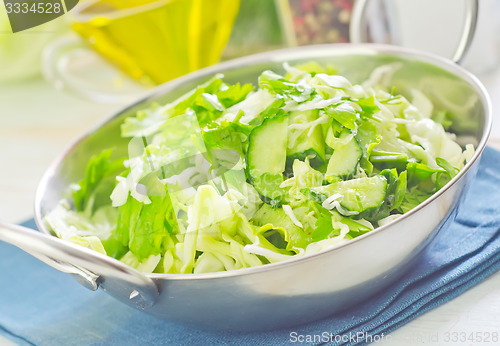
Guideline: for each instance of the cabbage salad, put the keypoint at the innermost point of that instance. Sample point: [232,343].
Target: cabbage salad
[236,176]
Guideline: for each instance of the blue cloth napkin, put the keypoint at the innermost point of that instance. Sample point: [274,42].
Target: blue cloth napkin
[41,306]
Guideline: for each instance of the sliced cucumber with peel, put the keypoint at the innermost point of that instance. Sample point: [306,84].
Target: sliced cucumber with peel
[383,160]
[345,158]
[295,236]
[266,157]
[356,194]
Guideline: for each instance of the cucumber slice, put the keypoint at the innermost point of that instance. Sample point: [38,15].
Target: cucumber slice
[295,236]
[301,145]
[345,158]
[357,194]
[266,157]
[387,160]
[268,186]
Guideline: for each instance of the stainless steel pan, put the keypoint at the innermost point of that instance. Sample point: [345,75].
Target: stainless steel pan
[286,293]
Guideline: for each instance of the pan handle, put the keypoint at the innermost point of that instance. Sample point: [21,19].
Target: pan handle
[89,267]
[356,30]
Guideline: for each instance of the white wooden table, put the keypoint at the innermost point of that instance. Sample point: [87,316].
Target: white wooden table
[37,122]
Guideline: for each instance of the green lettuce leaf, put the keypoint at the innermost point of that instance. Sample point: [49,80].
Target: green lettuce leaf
[298,92]
[99,181]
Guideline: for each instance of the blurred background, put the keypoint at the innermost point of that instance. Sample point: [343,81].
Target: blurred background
[260,25]
[56,84]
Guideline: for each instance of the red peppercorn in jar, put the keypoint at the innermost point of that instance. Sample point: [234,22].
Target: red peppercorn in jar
[315,21]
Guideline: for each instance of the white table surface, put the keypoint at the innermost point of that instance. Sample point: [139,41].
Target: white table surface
[37,122]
